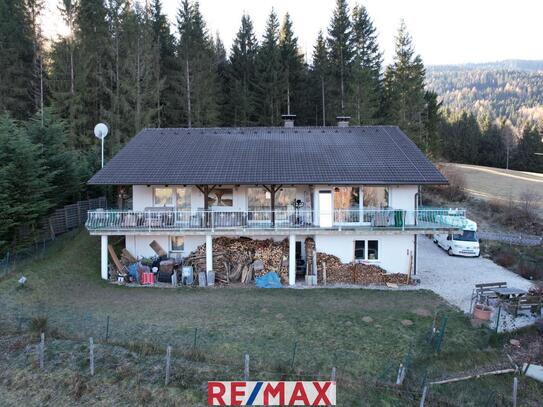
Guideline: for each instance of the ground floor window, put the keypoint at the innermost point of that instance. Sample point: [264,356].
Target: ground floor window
[366,250]
[177,243]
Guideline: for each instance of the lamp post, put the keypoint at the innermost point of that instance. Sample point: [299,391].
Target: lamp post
[100,131]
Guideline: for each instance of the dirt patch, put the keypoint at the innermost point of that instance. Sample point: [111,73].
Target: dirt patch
[406,322]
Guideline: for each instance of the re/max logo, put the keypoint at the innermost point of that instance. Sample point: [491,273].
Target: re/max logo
[316,393]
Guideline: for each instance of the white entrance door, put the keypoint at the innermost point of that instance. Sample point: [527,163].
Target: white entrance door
[325,209]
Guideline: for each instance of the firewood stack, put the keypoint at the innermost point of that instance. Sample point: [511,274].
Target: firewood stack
[242,259]
[355,273]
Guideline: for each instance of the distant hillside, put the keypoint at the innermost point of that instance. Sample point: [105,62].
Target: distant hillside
[511,89]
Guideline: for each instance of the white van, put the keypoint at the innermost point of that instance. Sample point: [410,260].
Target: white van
[460,244]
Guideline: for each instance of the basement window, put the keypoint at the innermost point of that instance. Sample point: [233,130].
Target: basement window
[177,243]
[360,250]
[373,250]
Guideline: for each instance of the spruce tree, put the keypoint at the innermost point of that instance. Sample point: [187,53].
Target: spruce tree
[293,70]
[17,57]
[241,76]
[319,75]
[529,152]
[269,74]
[59,160]
[404,102]
[198,73]
[341,55]
[26,180]
[366,71]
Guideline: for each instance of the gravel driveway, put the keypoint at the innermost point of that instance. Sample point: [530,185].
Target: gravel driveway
[455,277]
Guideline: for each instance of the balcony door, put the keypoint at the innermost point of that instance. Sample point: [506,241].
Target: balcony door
[325,209]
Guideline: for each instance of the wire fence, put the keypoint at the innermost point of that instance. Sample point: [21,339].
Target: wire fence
[122,347]
[36,240]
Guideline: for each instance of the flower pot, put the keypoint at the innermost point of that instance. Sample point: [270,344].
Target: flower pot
[482,312]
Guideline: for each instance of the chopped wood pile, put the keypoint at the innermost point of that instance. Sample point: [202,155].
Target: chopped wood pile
[242,259]
[355,273]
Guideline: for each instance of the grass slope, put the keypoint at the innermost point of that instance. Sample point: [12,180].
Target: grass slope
[288,334]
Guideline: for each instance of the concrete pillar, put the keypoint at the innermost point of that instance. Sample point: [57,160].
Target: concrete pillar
[209,253]
[104,268]
[292,259]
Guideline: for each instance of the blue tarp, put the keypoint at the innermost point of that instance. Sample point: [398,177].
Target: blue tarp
[269,280]
[133,272]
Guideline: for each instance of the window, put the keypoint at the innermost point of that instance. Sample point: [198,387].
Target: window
[182,197]
[375,197]
[347,204]
[163,197]
[260,199]
[360,250]
[284,198]
[373,250]
[366,250]
[177,243]
[221,197]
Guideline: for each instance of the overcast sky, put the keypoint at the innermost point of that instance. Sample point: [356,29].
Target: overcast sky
[444,32]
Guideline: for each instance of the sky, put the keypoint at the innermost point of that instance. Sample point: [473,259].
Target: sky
[443,31]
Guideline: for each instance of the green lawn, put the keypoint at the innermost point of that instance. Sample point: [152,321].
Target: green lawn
[287,333]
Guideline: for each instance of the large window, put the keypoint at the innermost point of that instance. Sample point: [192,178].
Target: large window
[182,199]
[170,196]
[346,204]
[221,197]
[375,197]
[260,199]
[163,197]
[366,250]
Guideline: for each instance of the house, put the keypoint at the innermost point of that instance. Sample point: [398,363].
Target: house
[354,190]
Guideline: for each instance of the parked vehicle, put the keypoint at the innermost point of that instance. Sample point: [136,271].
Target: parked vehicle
[460,244]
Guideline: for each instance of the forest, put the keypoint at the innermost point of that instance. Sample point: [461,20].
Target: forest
[123,63]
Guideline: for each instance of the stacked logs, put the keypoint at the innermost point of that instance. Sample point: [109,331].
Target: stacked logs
[355,273]
[242,259]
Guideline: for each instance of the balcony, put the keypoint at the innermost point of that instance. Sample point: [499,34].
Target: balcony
[160,220]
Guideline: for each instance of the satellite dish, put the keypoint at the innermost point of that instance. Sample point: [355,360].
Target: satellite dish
[100,131]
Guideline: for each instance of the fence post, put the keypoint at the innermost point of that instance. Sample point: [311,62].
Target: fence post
[323,273]
[41,350]
[91,355]
[399,377]
[293,355]
[498,318]
[168,364]
[246,369]
[515,388]
[333,375]
[107,328]
[66,225]
[79,213]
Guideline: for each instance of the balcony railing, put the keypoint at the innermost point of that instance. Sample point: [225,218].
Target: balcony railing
[160,220]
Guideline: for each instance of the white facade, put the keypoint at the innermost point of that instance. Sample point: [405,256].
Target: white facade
[394,250]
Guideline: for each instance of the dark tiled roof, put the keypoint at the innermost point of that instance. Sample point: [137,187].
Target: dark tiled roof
[270,155]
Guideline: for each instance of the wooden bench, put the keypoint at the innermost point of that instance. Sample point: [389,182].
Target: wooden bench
[530,302]
[485,291]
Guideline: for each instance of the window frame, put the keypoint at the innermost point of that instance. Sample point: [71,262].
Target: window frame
[171,237]
[366,258]
[173,197]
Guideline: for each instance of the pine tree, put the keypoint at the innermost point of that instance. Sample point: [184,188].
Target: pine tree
[269,74]
[17,57]
[318,75]
[241,76]
[404,102]
[341,57]
[366,69]
[293,69]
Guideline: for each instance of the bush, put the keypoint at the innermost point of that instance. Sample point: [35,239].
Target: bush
[38,325]
[505,259]
[529,271]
